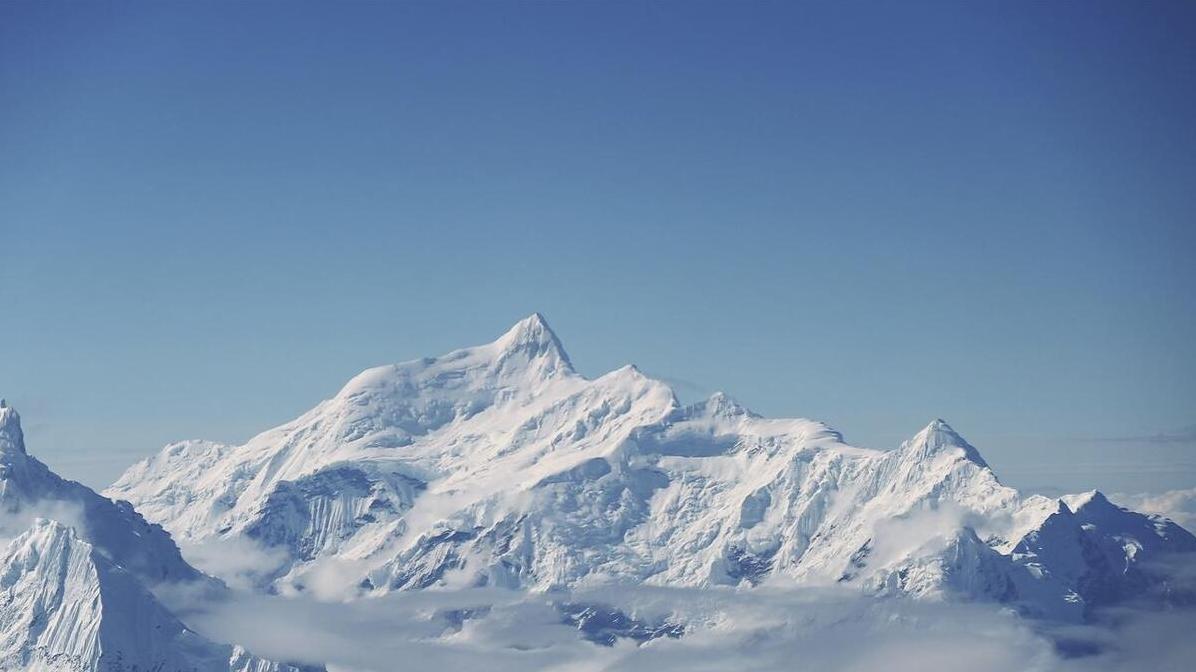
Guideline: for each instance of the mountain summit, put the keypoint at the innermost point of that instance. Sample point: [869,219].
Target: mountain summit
[500,465]
[533,338]
[938,437]
[12,439]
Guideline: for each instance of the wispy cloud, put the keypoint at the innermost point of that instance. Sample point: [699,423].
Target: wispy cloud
[686,389]
[1178,505]
[1185,435]
[18,520]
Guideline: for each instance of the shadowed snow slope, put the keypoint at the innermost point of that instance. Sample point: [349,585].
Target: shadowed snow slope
[73,590]
[28,489]
[499,465]
[66,607]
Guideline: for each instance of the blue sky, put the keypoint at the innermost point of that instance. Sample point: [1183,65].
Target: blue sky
[213,214]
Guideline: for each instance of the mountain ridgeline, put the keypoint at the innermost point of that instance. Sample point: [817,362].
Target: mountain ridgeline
[500,465]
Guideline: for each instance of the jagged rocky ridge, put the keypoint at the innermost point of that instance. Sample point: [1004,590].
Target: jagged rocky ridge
[75,592]
[29,489]
[500,465]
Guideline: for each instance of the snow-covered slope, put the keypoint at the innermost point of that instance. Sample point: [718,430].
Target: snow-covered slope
[1100,554]
[75,575]
[28,489]
[65,607]
[500,465]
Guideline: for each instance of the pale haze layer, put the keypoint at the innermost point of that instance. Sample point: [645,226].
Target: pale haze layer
[211,217]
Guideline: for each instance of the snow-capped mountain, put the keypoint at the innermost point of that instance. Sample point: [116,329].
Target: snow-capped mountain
[500,465]
[29,489]
[74,582]
[65,607]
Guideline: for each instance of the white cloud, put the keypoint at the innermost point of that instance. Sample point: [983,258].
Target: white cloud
[727,629]
[1178,505]
[240,562]
[769,628]
[15,523]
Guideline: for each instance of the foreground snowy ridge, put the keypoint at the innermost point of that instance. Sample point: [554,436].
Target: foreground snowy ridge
[499,465]
[75,591]
[67,607]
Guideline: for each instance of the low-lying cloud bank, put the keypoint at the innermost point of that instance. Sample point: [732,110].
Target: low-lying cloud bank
[777,627]
[1178,505]
[241,563]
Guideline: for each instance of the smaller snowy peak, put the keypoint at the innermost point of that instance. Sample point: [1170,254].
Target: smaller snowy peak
[28,488]
[66,607]
[11,437]
[44,539]
[720,405]
[54,598]
[937,437]
[955,563]
[1102,554]
[1091,501]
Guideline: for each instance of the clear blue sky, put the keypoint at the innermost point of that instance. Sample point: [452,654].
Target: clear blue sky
[213,214]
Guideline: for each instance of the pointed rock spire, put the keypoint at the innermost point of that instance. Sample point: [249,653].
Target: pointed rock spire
[12,439]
